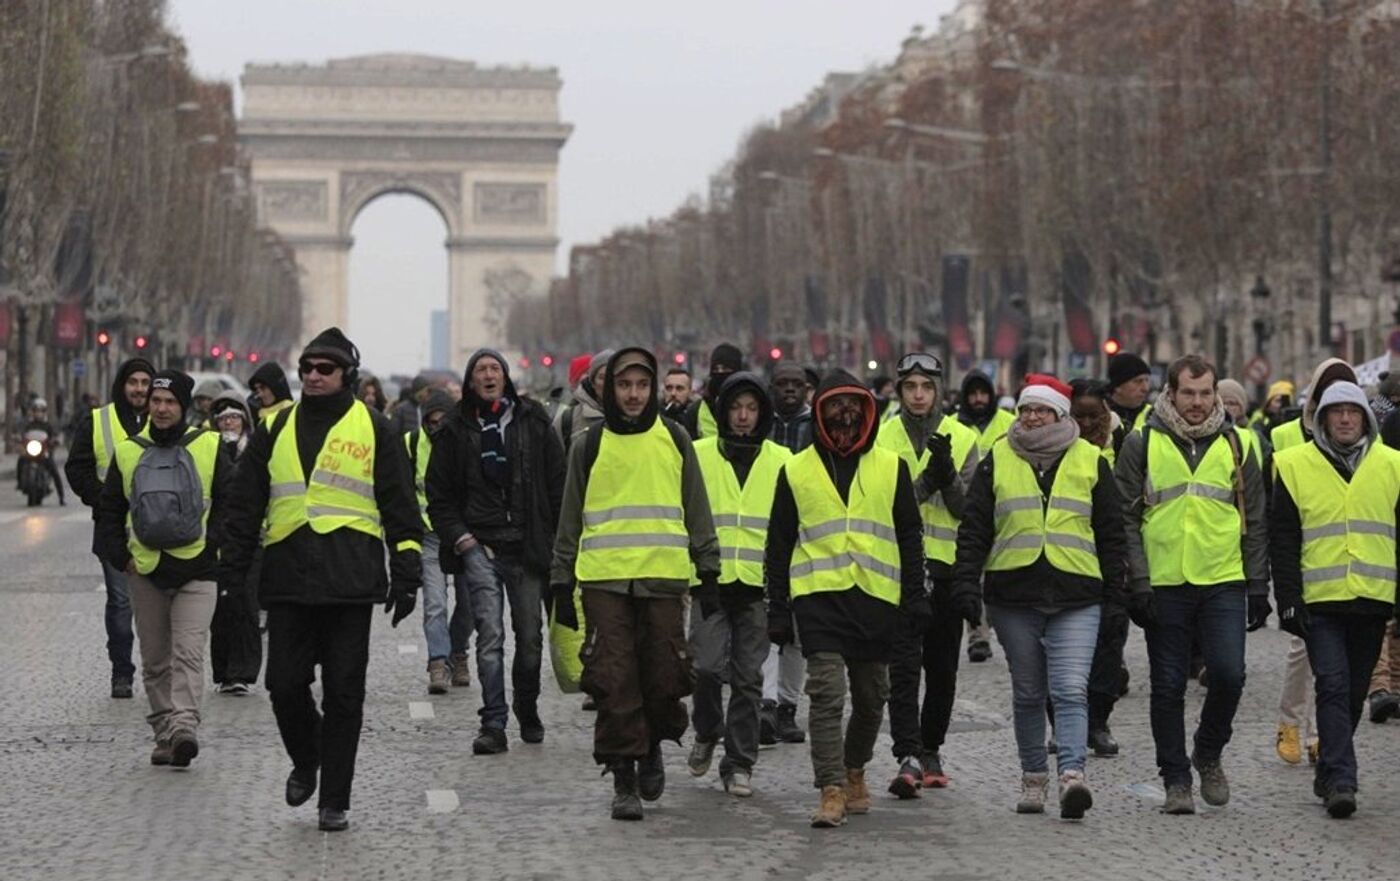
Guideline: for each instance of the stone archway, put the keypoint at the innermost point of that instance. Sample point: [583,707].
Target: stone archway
[481,145]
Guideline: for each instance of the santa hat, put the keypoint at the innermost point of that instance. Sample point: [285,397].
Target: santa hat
[578,369]
[1046,391]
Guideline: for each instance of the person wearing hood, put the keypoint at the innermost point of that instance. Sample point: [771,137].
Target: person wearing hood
[700,419]
[235,640]
[447,637]
[326,491]
[1297,716]
[204,394]
[1198,561]
[1336,504]
[730,636]
[494,485]
[95,440]
[271,391]
[170,561]
[845,559]
[1042,540]
[585,410]
[785,668]
[634,529]
[941,453]
[1129,386]
[979,410]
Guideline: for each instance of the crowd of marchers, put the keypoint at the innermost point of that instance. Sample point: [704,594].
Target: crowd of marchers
[784,535]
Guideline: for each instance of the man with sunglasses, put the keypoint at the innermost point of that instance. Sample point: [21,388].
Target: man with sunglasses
[332,481]
[941,454]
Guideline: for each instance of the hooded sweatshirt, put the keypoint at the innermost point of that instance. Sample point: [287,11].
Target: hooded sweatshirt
[741,451]
[849,622]
[977,417]
[231,400]
[81,467]
[704,545]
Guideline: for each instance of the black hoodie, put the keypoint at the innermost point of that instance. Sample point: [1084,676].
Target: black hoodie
[978,417]
[741,451]
[514,518]
[274,377]
[850,622]
[81,467]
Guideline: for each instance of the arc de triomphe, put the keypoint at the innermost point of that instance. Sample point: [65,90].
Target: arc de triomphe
[481,145]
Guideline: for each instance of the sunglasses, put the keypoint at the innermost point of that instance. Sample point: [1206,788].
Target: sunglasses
[921,361]
[325,368]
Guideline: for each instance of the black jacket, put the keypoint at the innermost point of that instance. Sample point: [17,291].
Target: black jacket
[109,533]
[81,467]
[1040,584]
[340,567]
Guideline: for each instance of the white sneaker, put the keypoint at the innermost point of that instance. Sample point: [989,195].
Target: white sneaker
[739,783]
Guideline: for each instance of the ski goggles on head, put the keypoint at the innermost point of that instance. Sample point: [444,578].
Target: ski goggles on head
[921,362]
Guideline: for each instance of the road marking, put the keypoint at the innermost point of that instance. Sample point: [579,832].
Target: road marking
[420,710]
[11,516]
[408,649]
[442,801]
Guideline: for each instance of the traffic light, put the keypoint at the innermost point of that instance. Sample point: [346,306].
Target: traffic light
[228,356]
[525,363]
[775,354]
[141,341]
[253,357]
[103,337]
[679,358]
[1111,347]
[547,360]
[215,351]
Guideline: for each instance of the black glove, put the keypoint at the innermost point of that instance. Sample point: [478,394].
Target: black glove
[1259,611]
[706,594]
[1294,619]
[405,577]
[780,625]
[1142,608]
[968,606]
[940,470]
[565,615]
[920,613]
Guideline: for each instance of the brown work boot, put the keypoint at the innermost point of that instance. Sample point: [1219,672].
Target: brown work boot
[461,671]
[857,793]
[438,677]
[162,754]
[832,812]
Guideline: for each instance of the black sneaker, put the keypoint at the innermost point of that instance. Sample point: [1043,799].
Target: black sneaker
[301,785]
[979,651]
[121,686]
[651,775]
[788,731]
[490,742]
[531,728]
[332,820]
[767,723]
[1102,743]
[1384,705]
[626,805]
[908,780]
[1341,802]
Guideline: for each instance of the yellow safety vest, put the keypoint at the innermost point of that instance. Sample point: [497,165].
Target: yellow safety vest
[1348,527]
[419,457]
[1027,526]
[840,544]
[205,452]
[1249,445]
[634,510]
[1140,420]
[940,526]
[996,429]
[269,413]
[340,491]
[1287,435]
[705,425]
[1190,525]
[741,513]
[107,432]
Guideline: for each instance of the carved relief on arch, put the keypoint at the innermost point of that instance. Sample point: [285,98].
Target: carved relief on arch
[442,189]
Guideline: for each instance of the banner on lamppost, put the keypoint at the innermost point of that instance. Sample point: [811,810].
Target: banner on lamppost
[955,318]
[876,319]
[6,313]
[1076,278]
[1009,328]
[68,323]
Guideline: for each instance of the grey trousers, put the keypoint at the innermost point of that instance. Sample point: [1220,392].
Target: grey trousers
[172,629]
[833,753]
[732,642]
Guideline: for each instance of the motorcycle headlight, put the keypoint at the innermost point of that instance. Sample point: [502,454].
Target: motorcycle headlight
[34,448]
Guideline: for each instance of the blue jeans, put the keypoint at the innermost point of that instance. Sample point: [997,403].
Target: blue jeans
[444,637]
[117,615]
[1342,650]
[493,583]
[1049,652]
[1214,617]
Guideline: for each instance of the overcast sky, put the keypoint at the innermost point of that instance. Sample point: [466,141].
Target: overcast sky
[659,94]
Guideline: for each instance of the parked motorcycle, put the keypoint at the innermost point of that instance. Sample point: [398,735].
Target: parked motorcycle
[34,480]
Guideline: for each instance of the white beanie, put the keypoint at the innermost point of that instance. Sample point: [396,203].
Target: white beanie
[1046,391]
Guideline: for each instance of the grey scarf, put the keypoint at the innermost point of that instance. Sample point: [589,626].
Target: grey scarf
[1165,410]
[1348,457]
[1043,446]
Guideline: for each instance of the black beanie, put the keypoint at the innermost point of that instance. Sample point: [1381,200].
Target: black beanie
[1125,367]
[333,345]
[727,355]
[178,383]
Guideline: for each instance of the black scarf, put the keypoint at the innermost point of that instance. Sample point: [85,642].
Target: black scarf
[316,414]
[495,464]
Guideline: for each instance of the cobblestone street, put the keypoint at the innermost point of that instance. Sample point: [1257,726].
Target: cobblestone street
[82,802]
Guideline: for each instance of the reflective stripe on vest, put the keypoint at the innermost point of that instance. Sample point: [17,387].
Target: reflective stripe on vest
[633,510]
[419,458]
[107,432]
[845,544]
[940,526]
[996,429]
[1348,527]
[1190,525]
[340,493]
[1026,525]
[205,452]
[741,513]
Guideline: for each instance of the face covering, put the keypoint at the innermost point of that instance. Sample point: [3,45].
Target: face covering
[231,436]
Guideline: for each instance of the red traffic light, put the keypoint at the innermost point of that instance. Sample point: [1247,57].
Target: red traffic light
[253,357]
[547,360]
[679,358]
[775,353]
[141,342]
[215,351]
[525,363]
[228,356]
[103,337]
[1111,347]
